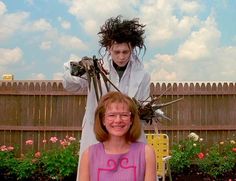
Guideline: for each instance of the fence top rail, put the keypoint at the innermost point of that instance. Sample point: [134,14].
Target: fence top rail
[194,88]
[35,87]
[55,87]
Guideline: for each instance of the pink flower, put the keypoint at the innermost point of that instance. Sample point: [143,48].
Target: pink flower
[53,139]
[63,143]
[200,155]
[234,149]
[3,148]
[37,154]
[10,148]
[29,142]
[72,138]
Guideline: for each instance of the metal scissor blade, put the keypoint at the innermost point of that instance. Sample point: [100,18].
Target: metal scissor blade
[106,79]
[95,87]
[158,106]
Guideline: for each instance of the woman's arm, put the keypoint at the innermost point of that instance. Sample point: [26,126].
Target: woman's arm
[150,171]
[84,166]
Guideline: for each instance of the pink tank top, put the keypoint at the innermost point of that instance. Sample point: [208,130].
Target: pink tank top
[129,166]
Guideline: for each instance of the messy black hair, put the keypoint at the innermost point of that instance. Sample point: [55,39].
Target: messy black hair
[122,31]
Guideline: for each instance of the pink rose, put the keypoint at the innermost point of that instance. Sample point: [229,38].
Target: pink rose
[29,142]
[10,148]
[53,139]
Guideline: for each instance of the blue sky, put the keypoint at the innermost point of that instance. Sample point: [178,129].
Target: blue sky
[187,40]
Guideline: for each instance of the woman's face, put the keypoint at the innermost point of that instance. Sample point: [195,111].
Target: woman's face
[120,53]
[117,119]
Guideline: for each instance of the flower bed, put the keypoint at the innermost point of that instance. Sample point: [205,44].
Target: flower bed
[57,161]
[191,159]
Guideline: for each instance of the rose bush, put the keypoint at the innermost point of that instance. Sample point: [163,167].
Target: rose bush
[215,161]
[185,152]
[219,159]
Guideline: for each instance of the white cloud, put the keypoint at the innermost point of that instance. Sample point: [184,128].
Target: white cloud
[163,74]
[94,17]
[57,76]
[224,63]
[189,6]
[39,25]
[185,25]
[3,8]
[46,45]
[64,24]
[11,23]
[103,8]
[39,76]
[164,58]
[197,58]
[10,56]
[202,43]
[2,71]
[90,26]
[72,42]
[162,23]
[160,68]
[159,61]
[74,57]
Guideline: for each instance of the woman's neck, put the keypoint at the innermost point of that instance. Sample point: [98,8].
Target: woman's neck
[116,146]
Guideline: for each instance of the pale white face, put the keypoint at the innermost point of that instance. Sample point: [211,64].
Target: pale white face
[120,53]
[117,119]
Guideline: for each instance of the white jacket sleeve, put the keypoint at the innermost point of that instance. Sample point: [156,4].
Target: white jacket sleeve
[73,83]
[143,92]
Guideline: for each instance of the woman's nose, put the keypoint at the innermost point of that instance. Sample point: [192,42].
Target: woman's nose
[118,118]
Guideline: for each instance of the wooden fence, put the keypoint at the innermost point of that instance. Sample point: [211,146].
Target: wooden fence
[40,109]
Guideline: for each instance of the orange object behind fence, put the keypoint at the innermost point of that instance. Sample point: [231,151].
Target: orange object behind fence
[8,77]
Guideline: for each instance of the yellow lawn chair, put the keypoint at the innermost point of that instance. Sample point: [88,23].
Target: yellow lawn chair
[160,142]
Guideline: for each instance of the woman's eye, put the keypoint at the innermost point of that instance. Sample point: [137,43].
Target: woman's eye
[124,115]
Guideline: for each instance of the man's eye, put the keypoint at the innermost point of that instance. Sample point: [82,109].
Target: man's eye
[124,52]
